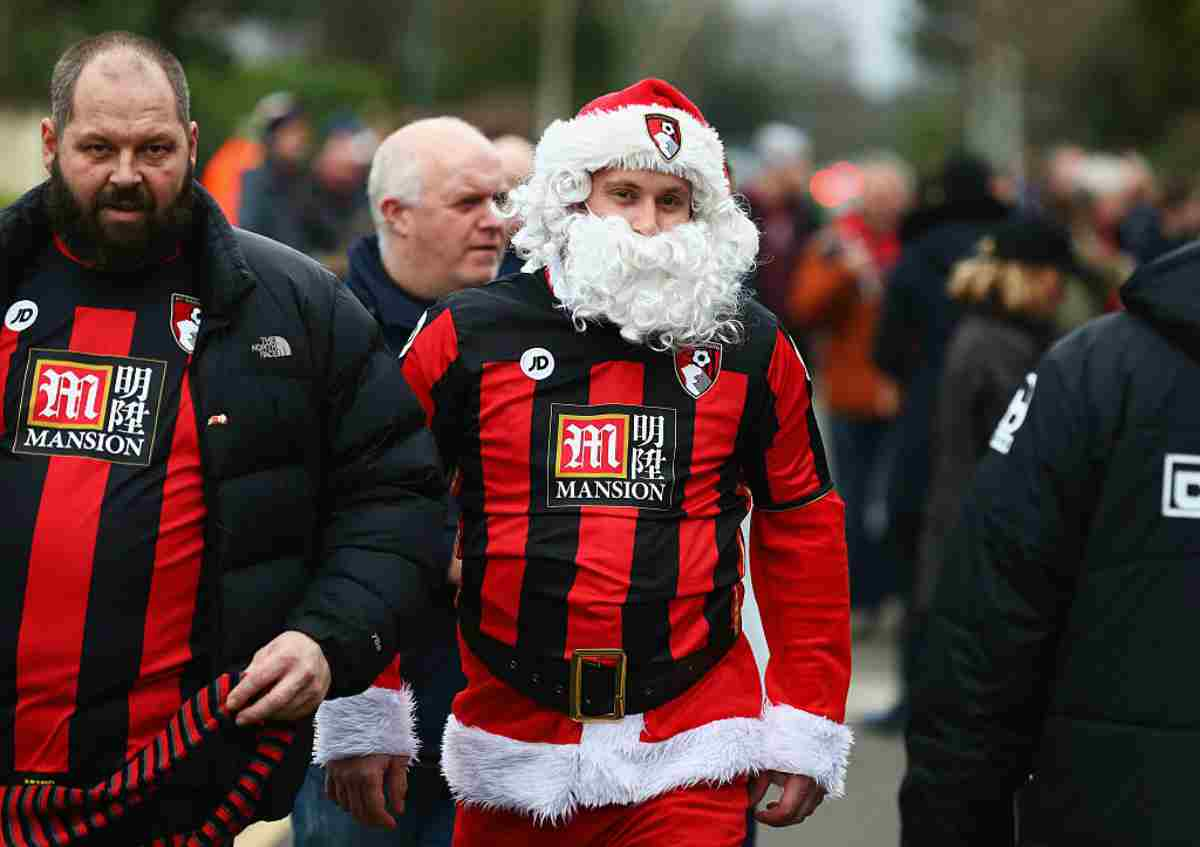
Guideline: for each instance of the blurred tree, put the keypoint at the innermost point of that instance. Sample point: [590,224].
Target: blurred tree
[1101,72]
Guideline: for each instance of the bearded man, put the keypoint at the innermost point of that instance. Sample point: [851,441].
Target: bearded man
[611,696]
[213,515]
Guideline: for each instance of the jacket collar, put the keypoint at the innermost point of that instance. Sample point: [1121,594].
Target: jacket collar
[224,276]
[367,277]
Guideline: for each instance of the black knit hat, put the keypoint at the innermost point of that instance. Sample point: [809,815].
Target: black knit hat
[1033,241]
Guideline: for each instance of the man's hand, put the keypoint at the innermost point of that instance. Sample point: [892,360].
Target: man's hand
[800,798]
[286,681]
[358,786]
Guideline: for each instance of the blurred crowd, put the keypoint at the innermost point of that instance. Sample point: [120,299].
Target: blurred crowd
[919,299]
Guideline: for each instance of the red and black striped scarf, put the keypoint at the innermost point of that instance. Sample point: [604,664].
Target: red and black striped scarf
[48,815]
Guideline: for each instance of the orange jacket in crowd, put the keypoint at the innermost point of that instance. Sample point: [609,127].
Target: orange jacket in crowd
[223,173]
[837,288]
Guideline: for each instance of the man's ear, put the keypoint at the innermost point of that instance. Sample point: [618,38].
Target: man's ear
[398,216]
[193,141]
[49,143]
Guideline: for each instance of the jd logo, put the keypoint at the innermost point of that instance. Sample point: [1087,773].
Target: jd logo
[1181,486]
[1002,438]
[21,315]
[537,363]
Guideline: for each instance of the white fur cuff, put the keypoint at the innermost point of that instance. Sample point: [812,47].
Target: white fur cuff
[804,743]
[379,720]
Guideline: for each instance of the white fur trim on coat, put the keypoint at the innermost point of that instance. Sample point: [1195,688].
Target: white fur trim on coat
[379,720]
[619,138]
[612,766]
[801,742]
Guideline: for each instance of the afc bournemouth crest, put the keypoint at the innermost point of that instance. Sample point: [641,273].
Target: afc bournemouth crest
[185,321]
[697,368]
[664,132]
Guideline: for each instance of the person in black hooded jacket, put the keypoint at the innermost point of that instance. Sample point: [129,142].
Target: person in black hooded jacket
[1058,666]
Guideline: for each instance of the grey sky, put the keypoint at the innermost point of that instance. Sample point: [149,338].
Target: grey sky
[881,61]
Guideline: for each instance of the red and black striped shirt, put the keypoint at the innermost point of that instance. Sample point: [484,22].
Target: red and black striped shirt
[603,484]
[102,537]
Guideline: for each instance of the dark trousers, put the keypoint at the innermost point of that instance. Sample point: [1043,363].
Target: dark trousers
[859,469]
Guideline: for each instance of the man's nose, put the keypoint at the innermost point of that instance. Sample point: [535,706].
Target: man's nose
[125,173]
[645,219]
[490,219]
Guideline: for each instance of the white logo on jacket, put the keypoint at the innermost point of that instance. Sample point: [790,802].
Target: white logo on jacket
[272,347]
[1006,430]
[1181,486]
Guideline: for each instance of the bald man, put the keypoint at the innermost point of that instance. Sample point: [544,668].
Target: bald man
[431,188]
[516,154]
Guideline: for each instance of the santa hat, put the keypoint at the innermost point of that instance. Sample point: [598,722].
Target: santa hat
[650,125]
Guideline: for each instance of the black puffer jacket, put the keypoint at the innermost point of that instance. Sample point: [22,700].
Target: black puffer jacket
[1061,651]
[323,490]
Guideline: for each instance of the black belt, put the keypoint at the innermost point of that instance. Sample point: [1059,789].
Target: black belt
[599,684]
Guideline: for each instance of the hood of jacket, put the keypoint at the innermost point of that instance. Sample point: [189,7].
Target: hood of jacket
[1166,294]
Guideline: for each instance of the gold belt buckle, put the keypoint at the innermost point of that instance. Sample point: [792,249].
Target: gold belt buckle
[575,695]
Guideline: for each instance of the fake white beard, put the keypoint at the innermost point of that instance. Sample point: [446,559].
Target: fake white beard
[668,291]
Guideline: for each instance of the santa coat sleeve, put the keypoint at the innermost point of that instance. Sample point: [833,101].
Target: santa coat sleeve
[383,718]
[799,569]
[380,720]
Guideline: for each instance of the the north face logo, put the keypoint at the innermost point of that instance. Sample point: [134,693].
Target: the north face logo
[272,347]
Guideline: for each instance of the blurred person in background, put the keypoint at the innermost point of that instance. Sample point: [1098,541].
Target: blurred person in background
[431,187]
[1056,190]
[1056,702]
[781,208]
[217,483]
[1011,288]
[837,291]
[333,208]
[240,153]
[609,412]
[1108,187]
[517,155]
[271,193]
[1150,232]
[917,320]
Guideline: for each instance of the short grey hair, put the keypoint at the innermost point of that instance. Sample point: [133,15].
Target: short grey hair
[78,56]
[395,172]
[397,169]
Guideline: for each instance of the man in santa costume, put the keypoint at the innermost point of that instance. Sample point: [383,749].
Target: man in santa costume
[610,416]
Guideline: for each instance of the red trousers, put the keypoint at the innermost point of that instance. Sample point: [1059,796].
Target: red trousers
[702,816]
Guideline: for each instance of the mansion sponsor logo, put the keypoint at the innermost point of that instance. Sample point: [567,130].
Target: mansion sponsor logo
[98,407]
[611,455]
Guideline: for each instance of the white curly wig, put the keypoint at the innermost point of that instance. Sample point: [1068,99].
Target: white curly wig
[623,130]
